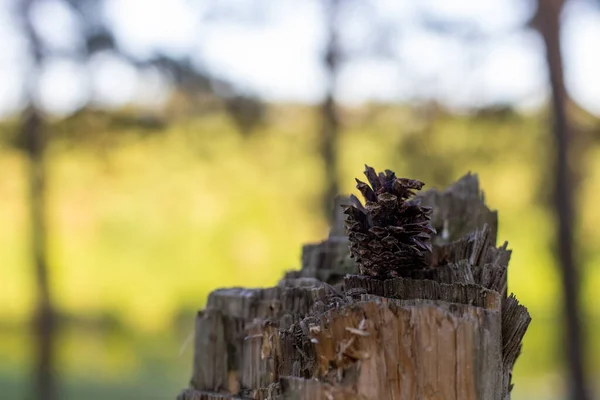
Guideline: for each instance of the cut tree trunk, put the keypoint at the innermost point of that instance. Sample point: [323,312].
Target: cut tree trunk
[327,333]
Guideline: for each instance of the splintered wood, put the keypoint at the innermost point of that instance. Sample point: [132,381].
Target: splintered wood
[454,348]
[446,332]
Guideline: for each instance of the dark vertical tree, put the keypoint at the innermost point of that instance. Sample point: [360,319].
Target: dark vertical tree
[329,116]
[33,141]
[547,21]
[34,134]
[44,317]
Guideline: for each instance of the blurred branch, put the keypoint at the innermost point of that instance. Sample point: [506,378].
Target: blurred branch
[96,34]
[188,78]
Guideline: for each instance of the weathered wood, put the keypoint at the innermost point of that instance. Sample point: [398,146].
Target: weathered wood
[210,365]
[515,320]
[265,353]
[448,331]
[385,349]
[225,327]
[299,389]
[459,210]
[328,260]
[409,289]
[471,259]
[193,394]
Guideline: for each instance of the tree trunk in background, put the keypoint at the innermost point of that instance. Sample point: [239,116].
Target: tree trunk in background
[43,321]
[329,118]
[34,144]
[549,12]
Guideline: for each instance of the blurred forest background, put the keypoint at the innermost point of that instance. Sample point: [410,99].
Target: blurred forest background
[152,151]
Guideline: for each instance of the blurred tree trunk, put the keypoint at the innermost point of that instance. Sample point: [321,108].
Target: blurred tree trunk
[43,321]
[329,117]
[548,23]
[34,143]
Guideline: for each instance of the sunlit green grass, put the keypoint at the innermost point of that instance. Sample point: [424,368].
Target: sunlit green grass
[140,231]
[108,367]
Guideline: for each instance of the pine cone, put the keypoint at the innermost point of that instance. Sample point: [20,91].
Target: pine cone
[390,235]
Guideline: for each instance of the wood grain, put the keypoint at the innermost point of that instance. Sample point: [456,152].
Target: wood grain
[450,331]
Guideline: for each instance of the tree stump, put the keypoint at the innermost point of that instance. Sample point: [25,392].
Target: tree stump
[445,332]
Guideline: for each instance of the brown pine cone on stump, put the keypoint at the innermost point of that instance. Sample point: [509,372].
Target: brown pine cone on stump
[390,235]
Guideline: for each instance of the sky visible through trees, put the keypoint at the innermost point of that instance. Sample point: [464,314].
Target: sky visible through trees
[461,53]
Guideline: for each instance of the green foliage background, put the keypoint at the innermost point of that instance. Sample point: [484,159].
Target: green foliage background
[144,224]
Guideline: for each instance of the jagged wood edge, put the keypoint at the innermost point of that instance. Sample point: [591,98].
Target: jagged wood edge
[463,199]
[512,333]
